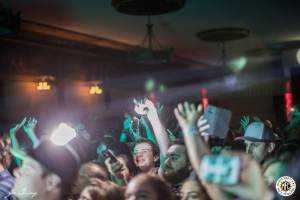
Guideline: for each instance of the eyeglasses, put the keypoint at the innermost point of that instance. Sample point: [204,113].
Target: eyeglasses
[142,151]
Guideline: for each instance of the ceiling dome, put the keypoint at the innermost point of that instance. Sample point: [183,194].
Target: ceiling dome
[147,7]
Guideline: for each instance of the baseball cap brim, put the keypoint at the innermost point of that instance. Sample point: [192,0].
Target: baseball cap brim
[256,139]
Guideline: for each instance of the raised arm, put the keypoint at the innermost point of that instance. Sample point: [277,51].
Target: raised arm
[14,141]
[158,129]
[251,185]
[146,107]
[187,116]
[29,128]
[125,134]
[149,133]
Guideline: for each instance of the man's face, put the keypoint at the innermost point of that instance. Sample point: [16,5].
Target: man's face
[143,157]
[258,150]
[176,159]
[30,183]
[176,166]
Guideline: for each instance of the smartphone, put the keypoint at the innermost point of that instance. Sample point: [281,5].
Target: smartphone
[218,120]
[220,169]
[107,153]
[135,123]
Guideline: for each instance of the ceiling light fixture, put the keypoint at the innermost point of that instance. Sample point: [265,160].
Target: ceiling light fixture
[150,51]
[222,35]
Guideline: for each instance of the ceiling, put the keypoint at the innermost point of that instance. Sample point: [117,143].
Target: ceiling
[270,22]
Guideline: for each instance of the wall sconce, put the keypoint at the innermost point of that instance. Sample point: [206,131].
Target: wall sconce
[95,90]
[43,85]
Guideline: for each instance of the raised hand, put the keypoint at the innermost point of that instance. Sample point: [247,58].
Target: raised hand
[245,121]
[257,119]
[29,130]
[17,127]
[187,116]
[30,125]
[127,123]
[152,113]
[118,171]
[146,107]
[140,107]
[14,141]
[114,168]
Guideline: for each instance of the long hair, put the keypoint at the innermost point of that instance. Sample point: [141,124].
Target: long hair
[65,188]
[159,186]
[5,156]
[104,190]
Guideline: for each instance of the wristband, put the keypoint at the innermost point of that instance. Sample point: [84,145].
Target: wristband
[191,131]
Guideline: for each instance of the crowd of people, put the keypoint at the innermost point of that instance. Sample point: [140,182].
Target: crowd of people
[151,162]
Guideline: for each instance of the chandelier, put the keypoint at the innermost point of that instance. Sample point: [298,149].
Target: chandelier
[150,51]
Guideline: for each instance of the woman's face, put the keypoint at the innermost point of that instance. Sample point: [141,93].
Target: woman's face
[191,190]
[85,195]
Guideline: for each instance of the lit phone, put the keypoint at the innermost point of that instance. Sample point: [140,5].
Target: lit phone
[218,120]
[220,169]
[135,123]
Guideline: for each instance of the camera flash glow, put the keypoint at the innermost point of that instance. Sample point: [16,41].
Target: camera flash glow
[63,134]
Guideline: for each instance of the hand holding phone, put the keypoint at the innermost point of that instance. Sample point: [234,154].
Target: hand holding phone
[218,120]
[220,169]
[107,153]
[135,123]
